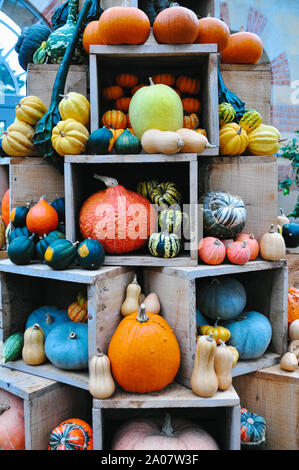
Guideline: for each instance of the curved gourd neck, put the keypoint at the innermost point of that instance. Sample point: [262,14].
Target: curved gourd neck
[73,9]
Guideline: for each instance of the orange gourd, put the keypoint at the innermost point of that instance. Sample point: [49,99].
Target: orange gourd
[165,78]
[191,121]
[71,434]
[77,312]
[42,218]
[252,244]
[211,250]
[5,208]
[126,80]
[144,353]
[91,35]
[12,430]
[238,252]
[293,304]
[114,118]
[191,105]
[113,92]
[201,131]
[188,85]
[213,31]
[242,48]
[176,25]
[123,104]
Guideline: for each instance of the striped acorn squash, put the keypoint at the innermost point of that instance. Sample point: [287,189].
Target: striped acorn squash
[264,140]
[233,139]
[18,215]
[227,113]
[250,120]
[90,254]
[145,188]
[173,221]
[224,215]
[164,245]
[165,194]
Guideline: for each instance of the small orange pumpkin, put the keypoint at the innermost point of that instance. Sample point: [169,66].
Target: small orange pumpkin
[188,85]
[123,104]
[164,78]
[191,121]
[176,25]
[91,35]
[293,304]
[243,48]
[191,105]
[42,218]
[114,118]
[113,92]
[77,312]
[213,31]
[238,252]
[126,80]
[252,244]
[211,250]
[5,207]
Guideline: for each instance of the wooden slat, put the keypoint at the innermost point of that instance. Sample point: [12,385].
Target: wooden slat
[23,385]
[140,158]
[152,50]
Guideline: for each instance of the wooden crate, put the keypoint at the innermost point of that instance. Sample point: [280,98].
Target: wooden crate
[219,415]
[46,404]
[293,265]
[25,288]
[253,178]
[252,84]
[31,178]
[41,78]
[129,170]
[177,289]
[274,394]
[199,60]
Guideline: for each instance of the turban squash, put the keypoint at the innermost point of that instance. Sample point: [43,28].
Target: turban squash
[72,434]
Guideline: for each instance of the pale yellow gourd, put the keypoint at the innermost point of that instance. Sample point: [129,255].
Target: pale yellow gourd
[101,384]
[193,141]
[17,140]
[204,382]
[223,364]
[33,351]
[289,361]
[294,348]
[282,219]
[156,141]
[152,303]
[294,330]
[75,106]
[131,303]
[272,245]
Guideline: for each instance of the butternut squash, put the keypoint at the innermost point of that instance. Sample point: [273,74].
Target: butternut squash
[101,384]
[33,351]
[131,303]
[156,141]
[193,141]
[152,303]
[204,382]
[294,348]
[294,330]
[224,360]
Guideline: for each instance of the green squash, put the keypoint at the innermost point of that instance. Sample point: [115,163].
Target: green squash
[18,215]
[60,254]
[20,231]
[59,205]
[290,233]
[40,55]
[145,188]
[164,245]
[43,244]
[127,143]
[99,141]
[21,250]
[12,347]
[173,221]
[250,120]
[227,113]
[90,254]
[166,194]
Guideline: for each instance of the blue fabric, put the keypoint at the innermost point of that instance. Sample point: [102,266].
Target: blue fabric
[227,96]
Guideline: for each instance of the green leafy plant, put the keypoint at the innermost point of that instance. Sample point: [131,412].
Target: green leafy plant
[291,152]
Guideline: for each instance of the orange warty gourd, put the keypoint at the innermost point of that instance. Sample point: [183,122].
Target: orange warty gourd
[12,431]
[211,250]
[144,353]
[213,31]
[242,48]
[91,35]
[293,304]
[126,80]
[252,244]
[120,219]
[42,218]
[176,25]
[5,207]
[191,105]
[124,25]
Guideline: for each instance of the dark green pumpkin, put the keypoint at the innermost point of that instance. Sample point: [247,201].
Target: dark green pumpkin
[21,250]
[30,40]
[43,244]
[146,187]
[12,347]
[61,227]
[90,254]
[18,215]
[59,205]
[290,233]
[164,245]
[99,141]
[166,194]
[18,232]
[127,143]
[60,254]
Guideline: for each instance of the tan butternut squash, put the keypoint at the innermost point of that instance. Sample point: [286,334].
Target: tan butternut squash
[193,141]
[289,361]
[33,351]
[294,347]
[101,384]
[131,303]
[152,303]
[223,364]
[156,141]
[204,382]
[294,330]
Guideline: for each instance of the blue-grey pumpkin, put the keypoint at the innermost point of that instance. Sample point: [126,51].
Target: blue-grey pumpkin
[66,346]
[200,319]
[29,41]
[250,333]
[48,317]
[223,297]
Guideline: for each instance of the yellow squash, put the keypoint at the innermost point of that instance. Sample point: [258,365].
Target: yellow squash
[69,137]
[33,351]
[17,140]
[233,139]
[75,106]
[30,109]
[264,140]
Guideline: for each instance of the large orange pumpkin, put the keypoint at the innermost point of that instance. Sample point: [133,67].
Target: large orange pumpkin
[176,25]
[144,353]
[120,219]
[42,218]
[242,48]
[213,31]
[5,208]
[12,431]
[72,434]
[91,35]
[293,304]
[124,25]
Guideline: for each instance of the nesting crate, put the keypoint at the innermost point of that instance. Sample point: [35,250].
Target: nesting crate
[274,394]
[265,283]
[25,288]
[219,415]
[46,404]
[129,170]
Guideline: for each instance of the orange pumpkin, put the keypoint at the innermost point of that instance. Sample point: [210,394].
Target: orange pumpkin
[293,304]
[238,252]
[191,121]
[213,31]
[113,92]
[124,25]
[242,48]
[136,88]
[77,312]
[144,353]
[191,105]
[91,35]
[164,78]
[123,104]
[5,207]
[12,430]
[126,80]
[176,25]
[201,131]
[211,250]
[42,218]
[114,118]
[71,434]
[252,244]
[188,85]
[128,120]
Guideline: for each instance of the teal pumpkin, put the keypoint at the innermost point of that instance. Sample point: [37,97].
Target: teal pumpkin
[223,297]
[253,430]
[12,347]
[90,254]
[60,254]
[164,245]
[173,221]
[61,227]
[59,205]
[127,143]
[99,141]
[47,317]
[21,250]
[250,333]
[18,232]
[200,319]
[66,346]
[30,39]
[18,216]
[290,233]
[43,244]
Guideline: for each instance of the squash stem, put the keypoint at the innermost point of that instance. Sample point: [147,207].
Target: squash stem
[99,352]
[107,180]
[167,429]
[142,316]
[3,407]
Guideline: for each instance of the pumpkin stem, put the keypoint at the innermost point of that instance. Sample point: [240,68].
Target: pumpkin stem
[281,140]
[281,212]
[36,326]
[73,336]
[240,130]
[151,81]
[142,316]
[99,352]
[209,337]
[167,429]
[107,180]
[216,322]
[210,146]
[49,319]
[134,279]
[125,3]
[244,243]
[3,407]
[272,229]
